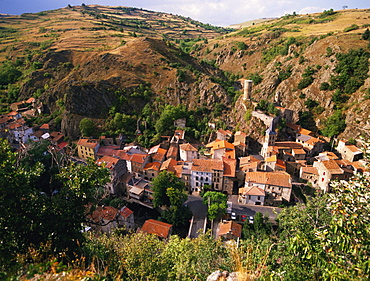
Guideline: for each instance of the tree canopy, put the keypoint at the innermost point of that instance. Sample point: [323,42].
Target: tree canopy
[216,202]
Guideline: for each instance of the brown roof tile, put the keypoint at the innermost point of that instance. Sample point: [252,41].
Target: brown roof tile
[158,228]
[270,178]
[207,165]
[230,227]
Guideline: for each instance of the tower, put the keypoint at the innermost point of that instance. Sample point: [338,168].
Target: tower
[270,139]
[247,89]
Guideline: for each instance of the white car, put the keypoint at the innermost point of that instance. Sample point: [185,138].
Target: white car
[233,216]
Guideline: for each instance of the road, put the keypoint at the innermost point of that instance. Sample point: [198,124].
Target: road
[199,211]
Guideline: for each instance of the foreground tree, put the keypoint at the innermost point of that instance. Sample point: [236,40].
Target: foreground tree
[31,217]
[328,238]
[217,203]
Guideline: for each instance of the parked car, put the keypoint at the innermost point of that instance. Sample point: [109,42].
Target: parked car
[251,219]
[233,216]
[229,207]
[243,218]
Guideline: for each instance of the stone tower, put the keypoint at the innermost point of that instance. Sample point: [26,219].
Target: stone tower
[247,89]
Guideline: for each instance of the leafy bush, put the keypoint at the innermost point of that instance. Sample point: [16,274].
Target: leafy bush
[311,103]
[350,28]
[324,86]
[9,73]
[334,125]
[256,78]
[305,82]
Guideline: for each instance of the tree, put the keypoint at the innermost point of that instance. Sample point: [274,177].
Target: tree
[87,127]
[31,217]
[160,185]
[334,125]
[217,203]
[366,34]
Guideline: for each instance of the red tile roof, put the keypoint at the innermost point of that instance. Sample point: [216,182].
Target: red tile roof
[109,161]
[310,170]
[230,227]
[270,178]
[158,228]
[332,167]
[187,147]
[229,167]
[44,126]
[169,165]
[106,212]
[125,212]
[87,143]
[152,166]
[207,165]
[138,158]
[30,100]
[253,190]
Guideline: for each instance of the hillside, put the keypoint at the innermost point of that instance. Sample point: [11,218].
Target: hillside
[280,53]
[94,61]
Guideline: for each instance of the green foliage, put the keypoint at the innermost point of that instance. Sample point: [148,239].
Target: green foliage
[285,73]
[334,125]
[217,203]
[352,27]
[34,214]
[267,107]
[326,13]
[255,77]
[310,104]
[352,71]
[87,127]
[306,120]
[241,45]
[169,114]
[260,227]
[366,35]
[9,73]
[168,190]
[307,78]
[324,86]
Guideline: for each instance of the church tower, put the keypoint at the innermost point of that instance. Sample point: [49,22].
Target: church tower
[270,139]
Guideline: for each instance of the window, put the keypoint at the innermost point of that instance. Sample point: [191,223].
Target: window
[258,197]
[196,178]
[322,179]
[197,184]
[323,173]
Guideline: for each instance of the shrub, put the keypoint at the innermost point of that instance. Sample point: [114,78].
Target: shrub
[350,28]
[324,86]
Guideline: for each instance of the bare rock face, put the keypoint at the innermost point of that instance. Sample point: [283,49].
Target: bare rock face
[226,276]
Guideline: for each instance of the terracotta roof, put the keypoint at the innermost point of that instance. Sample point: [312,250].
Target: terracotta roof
[238,143]
[38,134]
[270,178]
[187,147]
[247,160]
[306,132]
[354,149]
[122,155]
[220,144]
[169,165]
[314,141]
[248,166]
[229,167]
[310,170]
[230,227]
[62,145]
[88,143]
[359,166]
[159,155]
[105,212]
[138,158]
[152,166]
[288,145]
[280,163]
[207,165]
[45,126]
[125,212]
[30,100]
[158,228]
[56,136]
[107,151]
[298,151]
[172,152]
[253,190]
[12,113]
[332,167]
[109,161]
[225,132]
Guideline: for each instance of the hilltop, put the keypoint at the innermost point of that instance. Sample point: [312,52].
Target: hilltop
[95,61]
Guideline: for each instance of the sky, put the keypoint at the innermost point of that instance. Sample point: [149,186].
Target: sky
[215,12]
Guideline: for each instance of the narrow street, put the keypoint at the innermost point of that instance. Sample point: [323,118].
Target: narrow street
[199,211]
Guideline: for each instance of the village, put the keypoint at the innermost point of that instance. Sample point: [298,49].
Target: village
[226,164]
